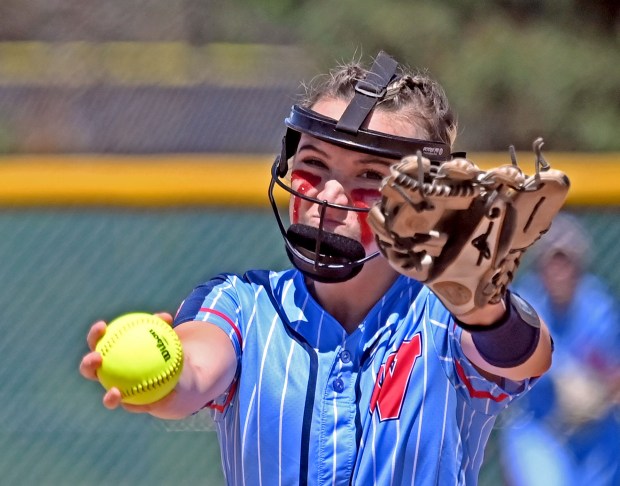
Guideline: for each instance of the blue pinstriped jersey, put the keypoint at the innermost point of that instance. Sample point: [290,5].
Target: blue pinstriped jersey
[393,403]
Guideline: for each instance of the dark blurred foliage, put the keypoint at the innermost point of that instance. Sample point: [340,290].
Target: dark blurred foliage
[513,69]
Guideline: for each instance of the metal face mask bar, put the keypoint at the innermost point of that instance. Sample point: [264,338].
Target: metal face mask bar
[321,255]
[324,256]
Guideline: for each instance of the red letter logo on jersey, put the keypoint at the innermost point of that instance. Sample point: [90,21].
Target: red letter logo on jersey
[392,379]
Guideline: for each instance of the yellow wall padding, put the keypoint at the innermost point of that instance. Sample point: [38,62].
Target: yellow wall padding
[187,180]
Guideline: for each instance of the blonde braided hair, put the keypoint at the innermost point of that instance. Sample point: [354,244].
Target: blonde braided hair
[413,96]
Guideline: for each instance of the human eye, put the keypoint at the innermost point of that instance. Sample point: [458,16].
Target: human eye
[373,175]
[313,162]
[375,170]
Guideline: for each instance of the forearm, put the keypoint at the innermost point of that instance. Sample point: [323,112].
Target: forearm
[509,342]
[537,364]
[209,365]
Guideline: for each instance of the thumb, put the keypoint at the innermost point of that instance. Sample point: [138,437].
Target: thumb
[164,316]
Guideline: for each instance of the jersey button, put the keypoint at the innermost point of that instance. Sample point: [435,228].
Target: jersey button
[345,356]
[338,385]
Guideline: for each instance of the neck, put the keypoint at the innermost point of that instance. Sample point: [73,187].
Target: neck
[349,302]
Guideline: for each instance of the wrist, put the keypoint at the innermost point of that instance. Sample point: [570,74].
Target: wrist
[486,318]
[512,339]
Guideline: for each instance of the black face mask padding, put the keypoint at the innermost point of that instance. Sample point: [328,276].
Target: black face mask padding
[338,256]
[332,245]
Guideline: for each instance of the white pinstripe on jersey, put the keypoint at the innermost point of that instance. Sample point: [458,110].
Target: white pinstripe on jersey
[395,402]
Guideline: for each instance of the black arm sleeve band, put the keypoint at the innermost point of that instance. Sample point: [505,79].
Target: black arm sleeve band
[510,341]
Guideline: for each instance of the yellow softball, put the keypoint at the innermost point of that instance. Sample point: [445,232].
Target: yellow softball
[142,357]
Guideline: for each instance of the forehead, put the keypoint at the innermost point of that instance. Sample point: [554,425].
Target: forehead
[379,121]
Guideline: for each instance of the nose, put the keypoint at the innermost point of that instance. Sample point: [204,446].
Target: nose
[334,192]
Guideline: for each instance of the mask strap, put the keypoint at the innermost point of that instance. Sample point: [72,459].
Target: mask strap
[368,92]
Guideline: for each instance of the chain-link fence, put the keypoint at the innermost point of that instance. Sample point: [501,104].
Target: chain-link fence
[62,270]
[65,268]
[144,97]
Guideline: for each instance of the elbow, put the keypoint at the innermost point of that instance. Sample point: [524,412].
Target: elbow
[539,362]
[545,359]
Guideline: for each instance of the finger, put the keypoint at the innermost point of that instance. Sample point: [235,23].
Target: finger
[95,333]
[165,316]
[112,398]
[90,364]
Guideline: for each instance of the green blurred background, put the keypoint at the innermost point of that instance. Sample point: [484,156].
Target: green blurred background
[205,77]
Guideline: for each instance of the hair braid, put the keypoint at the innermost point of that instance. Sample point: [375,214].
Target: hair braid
[415,96]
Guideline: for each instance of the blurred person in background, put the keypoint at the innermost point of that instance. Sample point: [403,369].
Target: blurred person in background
[567,430]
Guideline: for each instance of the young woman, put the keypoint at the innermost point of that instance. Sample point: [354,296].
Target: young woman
[341,370]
